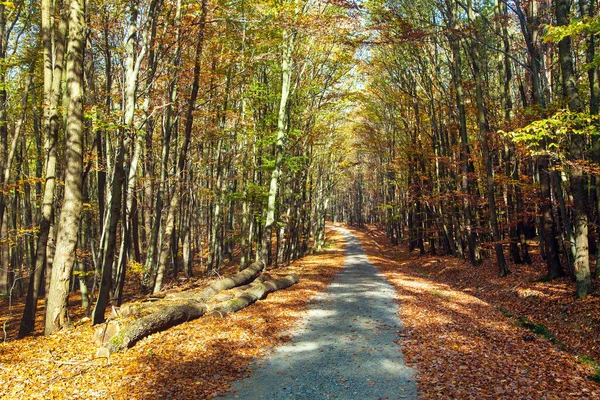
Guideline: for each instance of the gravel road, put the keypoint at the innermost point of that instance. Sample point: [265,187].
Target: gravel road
[344,349]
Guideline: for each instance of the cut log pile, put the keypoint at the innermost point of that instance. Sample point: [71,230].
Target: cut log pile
[250,285]
[257,291]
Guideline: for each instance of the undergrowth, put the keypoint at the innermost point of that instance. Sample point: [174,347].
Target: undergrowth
[538,329]
[542,331]
[419,269]
[592,363]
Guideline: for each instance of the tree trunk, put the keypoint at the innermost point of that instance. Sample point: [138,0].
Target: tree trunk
[110,237]
[53,67]
[155,322]
[191,306]
[465,153]
[5,159]
[483,133]
[128,233]
[256,292]
[154,221]
[286,79]
[5,177]
[174,205]
[554,266]
[56,310]
[581,263]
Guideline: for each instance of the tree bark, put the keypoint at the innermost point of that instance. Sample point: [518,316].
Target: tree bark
[191,306]
[5,159]
[56,310]
[155,322]
[286,79]
[465,153]
[189,121]
[581,263]
[53,67]
[110,238]
[189,310]
[241,278]
[483,133]
[554,266]
[256,292]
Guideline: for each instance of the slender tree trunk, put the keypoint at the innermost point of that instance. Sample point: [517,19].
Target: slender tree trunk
[286,79]
[154,232]
[132,67]
[5,158]
[56,309]
[128,233]
[555,269]
[109,243]
[54,52]
[580,218]
[483,133]
[12,150]
[465,153]
[511,214]
[189,121]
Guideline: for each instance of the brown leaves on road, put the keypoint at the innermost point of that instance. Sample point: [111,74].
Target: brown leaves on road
[198,359]
[465,347]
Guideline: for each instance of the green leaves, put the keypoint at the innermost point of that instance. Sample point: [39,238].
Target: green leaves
[552,135]
[577,27]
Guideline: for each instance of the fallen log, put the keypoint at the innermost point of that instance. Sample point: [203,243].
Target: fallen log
[241,278]
[256,292]
[158,321]
[112,338]
[265,276]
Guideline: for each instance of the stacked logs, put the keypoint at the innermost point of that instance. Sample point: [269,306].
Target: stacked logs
[252,285]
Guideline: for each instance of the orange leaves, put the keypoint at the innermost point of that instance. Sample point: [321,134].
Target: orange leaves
[465,347]
[198,359]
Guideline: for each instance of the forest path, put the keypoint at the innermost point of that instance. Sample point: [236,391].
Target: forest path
[345,347]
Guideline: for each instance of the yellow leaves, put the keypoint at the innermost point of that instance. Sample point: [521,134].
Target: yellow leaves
[554,135]
[135,267]
[576,28]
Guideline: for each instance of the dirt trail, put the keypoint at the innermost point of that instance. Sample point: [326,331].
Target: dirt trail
[345,348]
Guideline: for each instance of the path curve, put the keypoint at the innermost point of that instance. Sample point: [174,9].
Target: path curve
[344,348]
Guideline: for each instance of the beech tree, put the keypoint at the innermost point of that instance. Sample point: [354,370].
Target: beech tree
[70,215]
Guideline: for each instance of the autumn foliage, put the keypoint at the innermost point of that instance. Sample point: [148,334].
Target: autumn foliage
[471,334]
[194,360]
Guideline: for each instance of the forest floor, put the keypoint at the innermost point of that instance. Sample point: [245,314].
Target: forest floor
[468,333]
[195,360]
[473,335]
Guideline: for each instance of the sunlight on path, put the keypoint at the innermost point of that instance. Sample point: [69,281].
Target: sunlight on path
[345,347]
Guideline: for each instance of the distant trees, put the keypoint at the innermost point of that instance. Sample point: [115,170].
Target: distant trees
[480,123]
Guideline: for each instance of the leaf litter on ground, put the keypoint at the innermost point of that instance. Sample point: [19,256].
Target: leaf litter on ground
[198,359]
[463,327]
[463,331]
